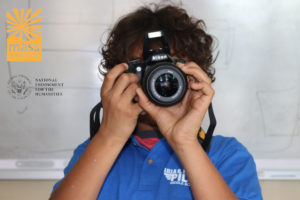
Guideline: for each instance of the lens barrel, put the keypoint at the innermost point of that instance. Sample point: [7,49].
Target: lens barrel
[165,84]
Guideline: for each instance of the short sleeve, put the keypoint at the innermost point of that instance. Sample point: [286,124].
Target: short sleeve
[76,155]
[237,167]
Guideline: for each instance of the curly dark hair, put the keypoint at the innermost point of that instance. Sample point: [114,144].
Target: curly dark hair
[186,36]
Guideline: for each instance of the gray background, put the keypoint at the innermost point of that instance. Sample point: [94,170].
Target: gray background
[257,86]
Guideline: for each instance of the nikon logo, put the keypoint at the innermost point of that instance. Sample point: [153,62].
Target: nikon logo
[159,57]
[24,41]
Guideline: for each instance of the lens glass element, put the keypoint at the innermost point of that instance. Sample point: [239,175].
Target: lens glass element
[166,85]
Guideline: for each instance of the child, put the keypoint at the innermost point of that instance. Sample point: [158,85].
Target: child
[145,151]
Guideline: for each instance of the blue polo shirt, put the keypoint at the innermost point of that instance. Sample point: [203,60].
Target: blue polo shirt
[157,174]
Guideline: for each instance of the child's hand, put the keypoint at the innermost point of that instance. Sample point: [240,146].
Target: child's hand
[120,114]
[180,123]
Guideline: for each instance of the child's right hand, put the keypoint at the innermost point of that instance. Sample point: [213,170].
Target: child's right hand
[120,114]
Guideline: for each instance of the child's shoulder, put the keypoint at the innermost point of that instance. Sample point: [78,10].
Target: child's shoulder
[82,146]
[222,147]
[236,165]
[223,142]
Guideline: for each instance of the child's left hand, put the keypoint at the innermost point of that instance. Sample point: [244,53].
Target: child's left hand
[180,123]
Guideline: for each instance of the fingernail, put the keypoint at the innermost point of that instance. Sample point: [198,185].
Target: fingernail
[126,65]
[180,64]
[137,90]
[183,67]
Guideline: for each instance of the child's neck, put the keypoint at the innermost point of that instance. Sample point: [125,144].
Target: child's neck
[143,126]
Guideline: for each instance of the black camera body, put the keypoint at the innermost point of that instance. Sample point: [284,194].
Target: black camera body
[163,82]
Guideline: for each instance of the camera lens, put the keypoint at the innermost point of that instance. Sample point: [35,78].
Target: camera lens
[166,85]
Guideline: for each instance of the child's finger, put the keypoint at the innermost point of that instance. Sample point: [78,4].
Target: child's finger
[204,87]
[130,92]
[123,82]
[111,77]
[195,70]
[146,104]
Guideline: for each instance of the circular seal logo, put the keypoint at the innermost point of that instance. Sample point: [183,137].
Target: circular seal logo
[19,87]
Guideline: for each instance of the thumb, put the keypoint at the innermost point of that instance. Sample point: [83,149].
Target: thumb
[146,104]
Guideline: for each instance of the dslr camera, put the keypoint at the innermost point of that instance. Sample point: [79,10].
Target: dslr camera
[163,82]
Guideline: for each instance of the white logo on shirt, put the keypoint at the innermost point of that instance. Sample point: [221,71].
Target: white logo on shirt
[176,176]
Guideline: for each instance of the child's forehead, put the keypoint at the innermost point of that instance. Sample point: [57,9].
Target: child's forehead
[137,52]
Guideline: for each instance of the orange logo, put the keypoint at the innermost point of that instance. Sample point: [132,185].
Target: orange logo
[24,41]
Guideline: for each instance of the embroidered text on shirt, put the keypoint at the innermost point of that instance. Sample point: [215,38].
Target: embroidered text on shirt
[176,176]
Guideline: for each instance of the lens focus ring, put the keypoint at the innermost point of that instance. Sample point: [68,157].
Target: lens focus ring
[165,84]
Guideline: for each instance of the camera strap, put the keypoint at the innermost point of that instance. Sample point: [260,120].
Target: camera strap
[203,138]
